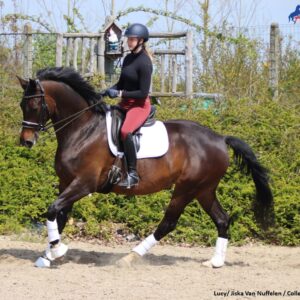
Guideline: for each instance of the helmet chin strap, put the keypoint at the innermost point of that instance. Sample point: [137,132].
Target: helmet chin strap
[137,46]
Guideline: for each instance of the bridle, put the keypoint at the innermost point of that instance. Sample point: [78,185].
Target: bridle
[41,126]
[45,114]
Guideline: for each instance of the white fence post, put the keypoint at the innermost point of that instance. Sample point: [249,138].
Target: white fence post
[27,69]
[59,49]
[189,64]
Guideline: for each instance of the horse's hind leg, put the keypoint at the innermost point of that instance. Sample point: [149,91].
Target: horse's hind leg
[169,221]
[62,218]
[211,205]
[177,205]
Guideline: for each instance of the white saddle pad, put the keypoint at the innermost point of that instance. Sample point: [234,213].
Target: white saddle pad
[154,140]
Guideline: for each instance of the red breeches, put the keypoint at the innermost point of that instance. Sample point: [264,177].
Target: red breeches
[136,114]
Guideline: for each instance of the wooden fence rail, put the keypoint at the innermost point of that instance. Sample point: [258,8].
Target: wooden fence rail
[89,50]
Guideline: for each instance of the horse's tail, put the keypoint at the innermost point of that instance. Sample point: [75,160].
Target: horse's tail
[246,160]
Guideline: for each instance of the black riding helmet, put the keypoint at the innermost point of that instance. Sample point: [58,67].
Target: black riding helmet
[137,30]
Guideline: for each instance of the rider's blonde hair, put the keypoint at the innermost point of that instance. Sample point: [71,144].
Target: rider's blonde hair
[148,51]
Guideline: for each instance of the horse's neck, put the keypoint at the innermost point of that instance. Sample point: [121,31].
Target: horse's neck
[76,138]
[67,117]
[67,101]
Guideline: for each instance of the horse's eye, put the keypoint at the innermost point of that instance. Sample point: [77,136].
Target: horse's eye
[34,103]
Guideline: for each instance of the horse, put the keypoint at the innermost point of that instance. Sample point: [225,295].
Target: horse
[195,162]
[294,16]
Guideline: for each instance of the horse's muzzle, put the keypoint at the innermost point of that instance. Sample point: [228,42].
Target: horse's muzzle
[27,143]
[28,139]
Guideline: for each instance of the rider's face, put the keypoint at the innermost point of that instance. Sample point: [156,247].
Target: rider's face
[132,42]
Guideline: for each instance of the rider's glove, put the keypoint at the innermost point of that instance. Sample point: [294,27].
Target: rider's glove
[112,93]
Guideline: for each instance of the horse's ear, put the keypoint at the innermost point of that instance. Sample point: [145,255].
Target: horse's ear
[23,82]
[32,82]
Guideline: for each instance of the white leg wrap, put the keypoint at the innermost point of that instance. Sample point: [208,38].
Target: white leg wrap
[145,245]
[218,259]
[51,254]
[57,251]
[52,231]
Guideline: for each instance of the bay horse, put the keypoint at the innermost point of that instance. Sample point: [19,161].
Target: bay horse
[195,162]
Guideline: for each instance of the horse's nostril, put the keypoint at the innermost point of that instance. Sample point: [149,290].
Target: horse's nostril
[28,144]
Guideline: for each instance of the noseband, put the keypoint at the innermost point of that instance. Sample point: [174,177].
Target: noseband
[41,126]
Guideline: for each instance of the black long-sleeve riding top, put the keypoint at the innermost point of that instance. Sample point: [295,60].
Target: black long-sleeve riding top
[135,78]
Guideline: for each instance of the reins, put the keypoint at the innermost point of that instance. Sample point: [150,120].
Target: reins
[73,117]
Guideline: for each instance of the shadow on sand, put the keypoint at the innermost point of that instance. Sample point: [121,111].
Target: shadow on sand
[96,258]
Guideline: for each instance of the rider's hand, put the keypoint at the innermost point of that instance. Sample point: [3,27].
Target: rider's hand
[112,93]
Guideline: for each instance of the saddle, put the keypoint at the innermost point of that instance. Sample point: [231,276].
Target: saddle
[151,140]
[118,117]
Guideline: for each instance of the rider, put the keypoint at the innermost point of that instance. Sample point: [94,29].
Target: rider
[133,88]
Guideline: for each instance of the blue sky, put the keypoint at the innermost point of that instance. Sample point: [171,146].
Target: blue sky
[238,12]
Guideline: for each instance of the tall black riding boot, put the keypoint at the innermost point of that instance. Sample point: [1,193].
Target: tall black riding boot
[132,177]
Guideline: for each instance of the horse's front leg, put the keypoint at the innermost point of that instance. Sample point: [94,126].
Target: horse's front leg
[62,218]
[58,210]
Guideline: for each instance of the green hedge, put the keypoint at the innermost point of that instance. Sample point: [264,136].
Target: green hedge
[29,184]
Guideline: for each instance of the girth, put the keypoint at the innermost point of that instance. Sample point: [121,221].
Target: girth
[118,117]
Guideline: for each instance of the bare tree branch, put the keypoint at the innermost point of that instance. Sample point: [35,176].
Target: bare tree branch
[173,16]
[10,17]
[160,13]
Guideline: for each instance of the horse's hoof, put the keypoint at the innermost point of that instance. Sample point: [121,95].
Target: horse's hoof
[217,261]
[207,264]
[42,262]
[129,260]
[51,254]
[213,263]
